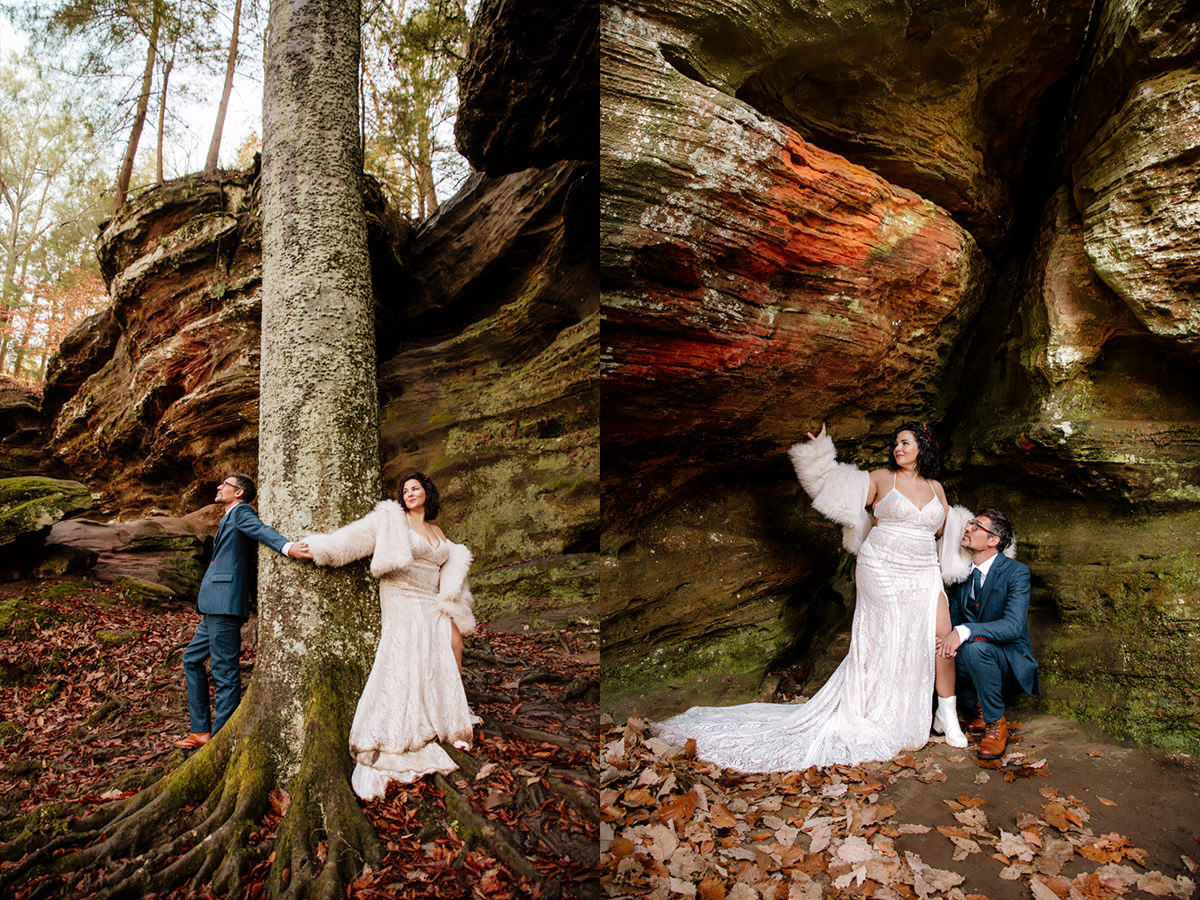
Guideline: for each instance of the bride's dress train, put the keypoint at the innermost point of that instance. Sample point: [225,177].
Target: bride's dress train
[878,701]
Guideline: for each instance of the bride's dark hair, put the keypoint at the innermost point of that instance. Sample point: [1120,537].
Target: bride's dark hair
[432,502]
[929,457]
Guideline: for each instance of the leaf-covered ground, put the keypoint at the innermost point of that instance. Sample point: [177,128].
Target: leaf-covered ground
[91,696]
[1060,816]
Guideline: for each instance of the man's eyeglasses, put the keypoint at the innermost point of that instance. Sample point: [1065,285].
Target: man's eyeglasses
[975,526]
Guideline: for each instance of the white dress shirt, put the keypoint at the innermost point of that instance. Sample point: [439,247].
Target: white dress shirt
[964,632]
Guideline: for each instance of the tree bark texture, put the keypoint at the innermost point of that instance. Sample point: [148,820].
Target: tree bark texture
[318,429]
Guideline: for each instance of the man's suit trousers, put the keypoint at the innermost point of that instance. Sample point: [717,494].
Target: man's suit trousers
[219,640]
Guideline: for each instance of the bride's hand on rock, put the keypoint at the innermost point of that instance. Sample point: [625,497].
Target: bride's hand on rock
[819,436]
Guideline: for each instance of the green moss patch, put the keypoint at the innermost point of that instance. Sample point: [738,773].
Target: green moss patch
[115,637]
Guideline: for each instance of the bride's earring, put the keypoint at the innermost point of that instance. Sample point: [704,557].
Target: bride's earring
[945,721]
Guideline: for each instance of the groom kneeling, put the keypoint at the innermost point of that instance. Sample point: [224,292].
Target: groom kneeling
[990,643]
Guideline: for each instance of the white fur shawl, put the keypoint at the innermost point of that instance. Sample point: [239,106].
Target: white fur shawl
[838,490]
[383,534]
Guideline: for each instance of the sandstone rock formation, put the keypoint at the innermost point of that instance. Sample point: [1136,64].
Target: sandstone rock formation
[942,99]
[528,89]
[165,380]
[492,389]
[22,440]
[1060,372]
[32,505]
[159,558]
[487,330]
[29,506]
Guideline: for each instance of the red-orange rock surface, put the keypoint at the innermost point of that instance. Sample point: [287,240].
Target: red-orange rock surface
[945,100]
[176,397]
[755,284]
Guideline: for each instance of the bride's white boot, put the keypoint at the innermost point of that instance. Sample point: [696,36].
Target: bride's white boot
[945,721]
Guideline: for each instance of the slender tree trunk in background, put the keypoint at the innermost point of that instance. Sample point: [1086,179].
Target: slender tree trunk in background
[139,117]
[214,148]
[51,315]
[8,287]
[425,181]
[162,117]
[26,333]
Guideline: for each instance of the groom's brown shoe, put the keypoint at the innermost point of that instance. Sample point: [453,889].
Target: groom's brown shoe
[995,739]
[192,741]
[976,723]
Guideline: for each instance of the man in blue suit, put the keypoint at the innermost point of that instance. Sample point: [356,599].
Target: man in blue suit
[990,643]
[224,604]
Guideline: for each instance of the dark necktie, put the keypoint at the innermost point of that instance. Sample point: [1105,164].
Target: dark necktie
[976,586]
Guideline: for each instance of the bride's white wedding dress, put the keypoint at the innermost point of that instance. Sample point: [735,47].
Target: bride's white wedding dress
[878,701]
[414,696]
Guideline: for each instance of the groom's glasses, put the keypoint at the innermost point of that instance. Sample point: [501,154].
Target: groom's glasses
[975,526]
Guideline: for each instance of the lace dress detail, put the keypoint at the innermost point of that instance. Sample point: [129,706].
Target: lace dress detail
[878,701]
[414,695]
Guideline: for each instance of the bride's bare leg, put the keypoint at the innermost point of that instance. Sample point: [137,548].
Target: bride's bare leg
[945,721]
[456,646]
[943,674]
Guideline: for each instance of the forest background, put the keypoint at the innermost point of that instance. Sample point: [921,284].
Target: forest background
[100,100]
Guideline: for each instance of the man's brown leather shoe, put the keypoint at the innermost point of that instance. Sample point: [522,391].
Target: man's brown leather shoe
[192,741]
[976,723]
[995,739]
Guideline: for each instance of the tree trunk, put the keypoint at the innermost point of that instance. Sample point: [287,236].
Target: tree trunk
[214,148]
[8,287]
[139,116]
[162,117]
[424,165]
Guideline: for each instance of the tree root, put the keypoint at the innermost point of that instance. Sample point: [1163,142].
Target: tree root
[578,797]
[495,726]
[538,675]
[475,829]
[580,687]
[324,839]
[485,656]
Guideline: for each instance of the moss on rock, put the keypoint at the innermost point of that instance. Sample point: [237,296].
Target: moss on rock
[32,504]
[115,637]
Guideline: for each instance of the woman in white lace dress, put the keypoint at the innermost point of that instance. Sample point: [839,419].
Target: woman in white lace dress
[414,695]
[877,703]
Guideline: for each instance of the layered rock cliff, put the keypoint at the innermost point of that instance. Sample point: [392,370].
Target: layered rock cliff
[981,216]
[487,326]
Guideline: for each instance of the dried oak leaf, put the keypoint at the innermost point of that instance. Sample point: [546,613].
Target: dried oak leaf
[1054,813]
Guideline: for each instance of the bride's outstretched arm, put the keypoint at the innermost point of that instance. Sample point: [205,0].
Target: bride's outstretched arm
[351,542]
[839,491]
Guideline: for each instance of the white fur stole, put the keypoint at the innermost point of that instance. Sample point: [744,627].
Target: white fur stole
[838,490]
[384,535]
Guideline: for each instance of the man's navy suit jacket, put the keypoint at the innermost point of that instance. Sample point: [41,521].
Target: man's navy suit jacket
[1000,615]
[225,589]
